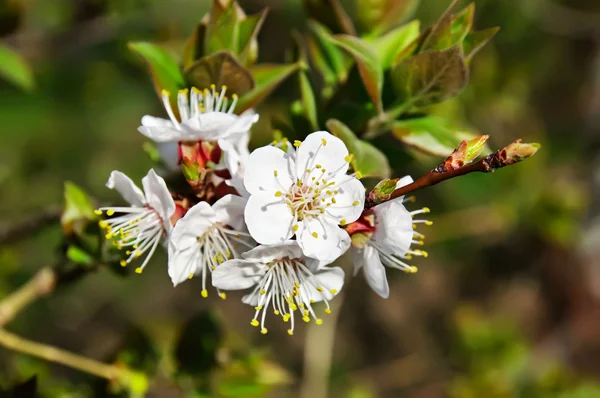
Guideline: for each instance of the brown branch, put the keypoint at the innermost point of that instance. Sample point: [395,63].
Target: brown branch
[14,232]
[42,283]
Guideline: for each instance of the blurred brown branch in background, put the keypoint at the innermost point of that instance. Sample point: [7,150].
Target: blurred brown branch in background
[21,229]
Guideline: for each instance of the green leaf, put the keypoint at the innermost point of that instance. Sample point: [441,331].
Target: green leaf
[267,78]
[475,41]
[222,28]
[388,47]
[220,69]
[165,71]
[79,256]
[369,66]
[307,97]
[247,32]
[432,135]
[367,159]
[320,62]
[439,34]
[430,77]
[379,16]
[78,209]
[331,14]
[383,190]
[335,57]
[194,45]
[15,69]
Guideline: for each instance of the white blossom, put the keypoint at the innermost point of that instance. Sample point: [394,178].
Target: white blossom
[203,115]
[309,196]
[141,226]
[390,242]
[284,281]
[206,237]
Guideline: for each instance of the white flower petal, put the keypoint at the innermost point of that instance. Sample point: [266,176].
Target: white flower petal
[349,202]
[269,170]
[160,130]
[322,240]
[330,279]
[330,156]
[375,272]
[182,263]
[404,181]
[159,197]
[358,259]
[209,126]
[243,123]
[128,190]
[393,227]
[269,220]
[230,211]
[237,274]
[169,153]
[251,299]
[267,253]
[195,223]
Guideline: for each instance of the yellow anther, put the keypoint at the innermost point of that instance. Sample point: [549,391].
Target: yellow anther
[413,269]
[420,242]
[319,289]
[138,270]
[275,173]
[305,313]
[343,222]
[214,267]
[348,158]
[204,293]
[358,174]
[234,96]
[306,319]
[263,292]
[297,143]
[183,91]
[276,312]
[103,224]
[424,253]
[295,227]
[137,253]
[223,87]
[258,307]
[98,212]
[414,226]
[165,93]
[278,193]
[123,263]
[223,295]
[290,332]
[426,210]
[333,291]
[299,183]
[324,141]
[254,322]
[319,321]
[409,257]
[318,166]
[286,317]
[128,252]
[190,276]
[195,90]
[336,191]
[333,200]
[110,212]
[312,301]
[428,223]
[324,171]
[327,311]
[315,235]
[213,86]
[356,203]
[293,307]
[108,236]
[264,331]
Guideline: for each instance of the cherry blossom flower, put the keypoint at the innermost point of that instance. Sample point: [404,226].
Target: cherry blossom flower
[141,226]
[309,196]
[383,236]
[206,237]
[284,280]
[203,115]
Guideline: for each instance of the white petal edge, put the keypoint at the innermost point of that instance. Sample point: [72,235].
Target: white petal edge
[350,201]
[237,274]
[331,157]
[268,253]
[159,197]
[194,224]
[230,211]
[330,243]
[259,176]
[160,130]
[375,272]
[393,227]
[182,263]
[126,187]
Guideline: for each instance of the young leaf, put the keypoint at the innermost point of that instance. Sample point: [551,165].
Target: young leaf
[267,78]
[308,100]
[320,62]
[335,56]
[439,34]
[430,134]
[165,71]
[475,41]
[430,77]
[369,66]
[388,47]
[222,28]
[78,208]
[15,69]
[79,256]
[220,69]
[379,16]
[247,31]
[367,159]
[194,45]
[331,14]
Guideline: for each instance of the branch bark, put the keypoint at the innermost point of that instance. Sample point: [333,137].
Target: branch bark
[14,232]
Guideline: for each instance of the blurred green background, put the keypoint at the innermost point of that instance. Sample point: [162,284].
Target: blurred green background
[506,304]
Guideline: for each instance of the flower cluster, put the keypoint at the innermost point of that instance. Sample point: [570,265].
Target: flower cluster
[273,221]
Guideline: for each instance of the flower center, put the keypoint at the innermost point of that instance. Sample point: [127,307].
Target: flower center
[194,102]
[310,200]
[289,286]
